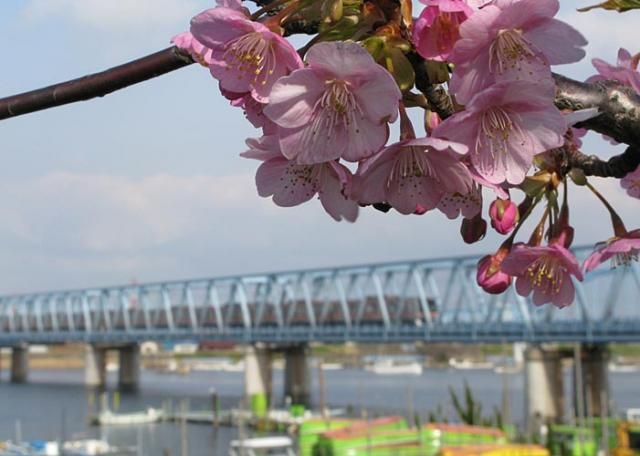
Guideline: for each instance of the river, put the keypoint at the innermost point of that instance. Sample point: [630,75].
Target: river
[55,403]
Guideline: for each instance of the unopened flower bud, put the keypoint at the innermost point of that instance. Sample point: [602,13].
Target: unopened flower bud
[504,215]
[473,229]
[489,275]
[431,121]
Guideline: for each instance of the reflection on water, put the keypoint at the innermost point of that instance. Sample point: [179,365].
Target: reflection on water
[55,403]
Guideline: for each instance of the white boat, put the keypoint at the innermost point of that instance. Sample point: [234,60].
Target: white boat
[466,364]
[272,446]
[151,415]
[623,368]
[218,365]
[633,414]
[391,367]
[332,366]
[508,369]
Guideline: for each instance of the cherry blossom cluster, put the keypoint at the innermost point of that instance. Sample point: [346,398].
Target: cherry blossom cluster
[324,113]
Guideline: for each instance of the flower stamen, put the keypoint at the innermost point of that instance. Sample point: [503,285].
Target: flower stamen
[508,50]
[251,54]
[547,274]
[496,125]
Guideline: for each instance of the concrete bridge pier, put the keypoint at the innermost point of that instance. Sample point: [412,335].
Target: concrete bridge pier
[297,375]
[544,398]
[129,367]
[594,360]
[19,364]
[95,366]
[258,377]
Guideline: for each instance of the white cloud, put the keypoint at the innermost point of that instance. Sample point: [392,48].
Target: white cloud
[110,14]
[101,213]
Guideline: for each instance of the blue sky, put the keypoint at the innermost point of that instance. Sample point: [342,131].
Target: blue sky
[147,184]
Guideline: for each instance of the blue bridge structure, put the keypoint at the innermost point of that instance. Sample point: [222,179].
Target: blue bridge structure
[426,301]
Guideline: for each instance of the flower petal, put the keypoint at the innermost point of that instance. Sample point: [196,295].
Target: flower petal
[292,98]
[559,42]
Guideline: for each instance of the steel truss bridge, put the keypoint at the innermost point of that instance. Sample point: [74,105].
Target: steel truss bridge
[425,300]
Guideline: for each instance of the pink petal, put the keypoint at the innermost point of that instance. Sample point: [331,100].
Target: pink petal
[293,98]
[286,181]
[523,285]
[438,144]
[544,129]
[454,177]
[475,33]
[370,188]
[526,14]
[216,26]
[341,59]
[264,148]
[594,260]
[378,97]
[624,58]
[364,139]
[560,42]
[569,260]
[462,127]
[566,295]
[333,200]
[305,147]
[470,78]
[408,193]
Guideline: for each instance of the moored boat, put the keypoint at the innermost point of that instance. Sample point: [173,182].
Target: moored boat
[272,446]
[391,367]
[107,417]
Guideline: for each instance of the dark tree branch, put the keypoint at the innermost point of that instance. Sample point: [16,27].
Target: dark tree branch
[617,166]
[619,107]
[95,85]
[438,98]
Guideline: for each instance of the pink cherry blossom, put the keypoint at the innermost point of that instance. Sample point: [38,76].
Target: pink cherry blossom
[622,250]
[489,274]
[338,106]
[504,215]
[436,30]
[245,55]
[625,72]
[631,183]
[412,174]
[290,184]
[544,270]
[187,43]
[504,126]
[466,204]
[511,40]
[253,110]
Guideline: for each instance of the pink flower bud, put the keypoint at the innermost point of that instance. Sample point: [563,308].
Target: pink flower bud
[431,121]
[473,229]
[489,276]
[504,215]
